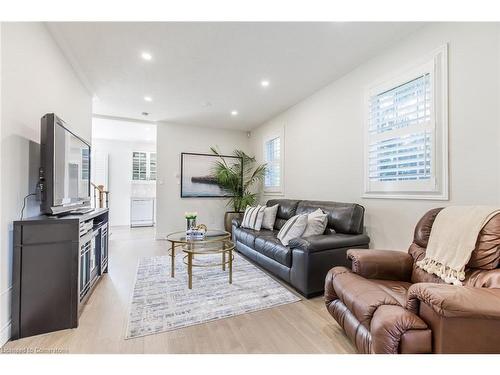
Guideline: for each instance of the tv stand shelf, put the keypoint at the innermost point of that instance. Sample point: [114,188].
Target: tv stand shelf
[58,261]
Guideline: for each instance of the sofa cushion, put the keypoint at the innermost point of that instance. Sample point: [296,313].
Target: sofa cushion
[342,217]
[286,210]
[328,241]
[246,236]
[364,296]
[486,255]
[423,228]
[271,247]
[396,289]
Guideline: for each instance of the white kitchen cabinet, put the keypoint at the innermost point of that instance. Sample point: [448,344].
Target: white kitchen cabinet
[142,212]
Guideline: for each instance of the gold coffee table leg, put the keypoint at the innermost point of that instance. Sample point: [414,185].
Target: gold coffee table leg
[230,266]
[223,256]
[190,270]
[172,272]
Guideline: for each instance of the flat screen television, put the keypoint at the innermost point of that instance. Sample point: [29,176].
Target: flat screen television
[65,168]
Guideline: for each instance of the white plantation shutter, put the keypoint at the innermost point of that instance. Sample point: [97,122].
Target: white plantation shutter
[402,137]
[152,166]
[272,153]
[143,166]
[139,166]
[85,164]
[401,133]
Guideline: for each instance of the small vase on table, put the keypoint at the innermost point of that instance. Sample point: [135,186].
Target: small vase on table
[190,220]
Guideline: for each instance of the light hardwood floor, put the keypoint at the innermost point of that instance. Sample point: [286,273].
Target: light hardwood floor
[301,327]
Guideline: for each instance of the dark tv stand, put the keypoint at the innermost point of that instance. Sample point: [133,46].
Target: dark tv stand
[58,261]
[81,211]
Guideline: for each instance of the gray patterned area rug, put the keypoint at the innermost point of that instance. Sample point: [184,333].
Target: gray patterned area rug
[161,303]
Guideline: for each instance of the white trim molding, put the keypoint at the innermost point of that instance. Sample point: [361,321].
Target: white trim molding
[435,186]
[276,133]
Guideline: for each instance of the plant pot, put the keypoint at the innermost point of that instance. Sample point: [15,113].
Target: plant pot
[190,223]
[228,219]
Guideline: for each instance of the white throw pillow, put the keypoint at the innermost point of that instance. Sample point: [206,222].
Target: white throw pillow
[316,223]
[293,228]
[270,217]
[252,219]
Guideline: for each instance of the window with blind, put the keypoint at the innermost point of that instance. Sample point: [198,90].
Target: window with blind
[85,163]
[139,166]
[406,134]
[152,166]
[143,166]
[273,160]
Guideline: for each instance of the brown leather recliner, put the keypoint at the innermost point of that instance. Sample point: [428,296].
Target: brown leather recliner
[386,304]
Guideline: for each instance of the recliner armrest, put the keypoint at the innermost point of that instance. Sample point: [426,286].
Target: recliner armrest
[328,241]
[454,301]
[236,223]
[397,330]
[381,264]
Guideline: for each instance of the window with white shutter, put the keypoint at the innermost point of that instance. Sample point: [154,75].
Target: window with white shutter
[273,158]
[152,166]
[406,134]
[139,166]
[85,163]
[143,166]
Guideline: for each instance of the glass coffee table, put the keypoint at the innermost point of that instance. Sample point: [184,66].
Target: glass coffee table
[215,242]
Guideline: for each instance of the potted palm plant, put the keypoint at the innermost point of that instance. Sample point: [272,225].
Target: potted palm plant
[239,179]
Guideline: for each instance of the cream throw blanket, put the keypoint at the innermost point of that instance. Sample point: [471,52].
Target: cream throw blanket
[453,239]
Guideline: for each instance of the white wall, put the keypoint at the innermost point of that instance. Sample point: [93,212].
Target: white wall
[36,79]
[324,132]
[121,186]
[4,286]
[172,139]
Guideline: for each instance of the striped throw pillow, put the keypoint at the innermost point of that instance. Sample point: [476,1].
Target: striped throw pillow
[252,219]
[293,228]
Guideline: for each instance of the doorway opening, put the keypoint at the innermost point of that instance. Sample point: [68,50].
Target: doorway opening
[124,166]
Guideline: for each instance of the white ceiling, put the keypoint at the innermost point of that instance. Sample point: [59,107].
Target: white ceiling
[217,63]
[123,130]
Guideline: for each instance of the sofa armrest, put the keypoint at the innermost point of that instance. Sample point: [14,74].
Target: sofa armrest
[397,330]
[381,264]
[328,241]
[236,223]
[452,301]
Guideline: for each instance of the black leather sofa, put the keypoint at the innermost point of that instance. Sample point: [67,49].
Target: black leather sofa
[305,262]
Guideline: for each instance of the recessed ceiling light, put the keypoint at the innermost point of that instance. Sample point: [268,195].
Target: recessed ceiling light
[147,56]
[234,113]
[264,83]
[148,98]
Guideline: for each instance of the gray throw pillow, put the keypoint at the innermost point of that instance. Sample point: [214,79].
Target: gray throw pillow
[269,217]
[293,228]
[316,223]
